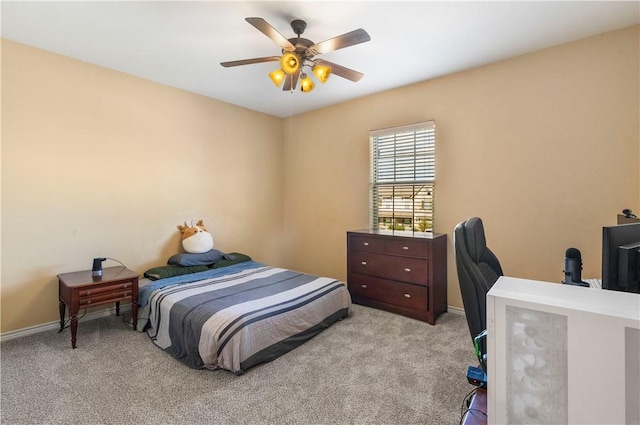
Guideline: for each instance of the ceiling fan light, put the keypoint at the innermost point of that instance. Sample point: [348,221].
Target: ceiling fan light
[277,77]
[289,63]
[322,72]
[306,83]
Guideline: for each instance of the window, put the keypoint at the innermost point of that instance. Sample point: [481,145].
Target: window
[403,177]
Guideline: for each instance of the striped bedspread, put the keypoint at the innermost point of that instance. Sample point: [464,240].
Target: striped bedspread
[241,315]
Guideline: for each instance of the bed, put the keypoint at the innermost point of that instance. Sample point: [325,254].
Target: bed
[240,315]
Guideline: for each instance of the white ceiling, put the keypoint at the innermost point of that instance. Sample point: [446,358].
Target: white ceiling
[181,43]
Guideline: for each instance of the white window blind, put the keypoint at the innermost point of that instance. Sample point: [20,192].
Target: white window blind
[403,177]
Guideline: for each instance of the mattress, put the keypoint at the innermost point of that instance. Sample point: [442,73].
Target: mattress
[241,315]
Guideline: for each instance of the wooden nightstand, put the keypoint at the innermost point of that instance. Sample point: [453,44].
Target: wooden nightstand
[82,290]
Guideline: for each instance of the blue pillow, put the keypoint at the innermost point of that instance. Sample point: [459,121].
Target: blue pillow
[203,259]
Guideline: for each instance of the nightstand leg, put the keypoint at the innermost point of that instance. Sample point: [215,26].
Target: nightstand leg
[134,314]
[62,309]
[74,328]
[117,308]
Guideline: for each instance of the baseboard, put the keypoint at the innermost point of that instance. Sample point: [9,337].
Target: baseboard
[108,312]
[55,325]
[455,310]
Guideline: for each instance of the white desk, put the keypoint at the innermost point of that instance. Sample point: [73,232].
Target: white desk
[562,354]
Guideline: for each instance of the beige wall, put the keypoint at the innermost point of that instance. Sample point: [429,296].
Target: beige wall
[544,147]
[100,163]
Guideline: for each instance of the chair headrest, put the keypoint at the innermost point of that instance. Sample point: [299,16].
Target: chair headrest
[476,242]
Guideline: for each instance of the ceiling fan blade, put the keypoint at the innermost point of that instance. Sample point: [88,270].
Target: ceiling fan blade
[265,28]
[340,42]
[291,81]
[250,61]
[341,71]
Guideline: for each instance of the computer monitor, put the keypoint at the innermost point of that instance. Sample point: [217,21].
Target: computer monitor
[621,257]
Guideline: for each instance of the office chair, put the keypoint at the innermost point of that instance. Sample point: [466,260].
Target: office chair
[478,269]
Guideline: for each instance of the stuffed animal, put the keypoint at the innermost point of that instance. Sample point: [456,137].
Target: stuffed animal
[195,238]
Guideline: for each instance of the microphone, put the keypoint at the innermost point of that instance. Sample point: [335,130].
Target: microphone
[96,270]
[628,213]
[573,268]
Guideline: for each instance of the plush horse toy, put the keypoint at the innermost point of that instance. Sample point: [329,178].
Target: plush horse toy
[195,238]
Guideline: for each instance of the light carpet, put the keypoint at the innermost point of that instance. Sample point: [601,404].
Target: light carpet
[373,367]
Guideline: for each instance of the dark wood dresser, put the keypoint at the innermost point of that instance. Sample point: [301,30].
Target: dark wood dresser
[401,272]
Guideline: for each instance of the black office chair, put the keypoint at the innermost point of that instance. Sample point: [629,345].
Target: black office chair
[478,269]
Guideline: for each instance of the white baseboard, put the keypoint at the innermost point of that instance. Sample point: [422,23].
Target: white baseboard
[455,310]
[19,333]
[108,312]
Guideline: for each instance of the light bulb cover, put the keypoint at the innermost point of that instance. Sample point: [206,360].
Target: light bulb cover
[289,63]
[322,72]
[277,77]
[306,83]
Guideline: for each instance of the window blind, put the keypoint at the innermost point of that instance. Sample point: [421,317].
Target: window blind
[403,177]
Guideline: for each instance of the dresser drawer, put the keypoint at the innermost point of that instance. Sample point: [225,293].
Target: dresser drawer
[405,295]
[409,248]
[366,243]
[404,269]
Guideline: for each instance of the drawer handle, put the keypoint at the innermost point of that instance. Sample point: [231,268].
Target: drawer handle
[88,292]
[407,296]
[126,286]
[365,243]
[407,270]
[364,263]
[406,248]
[364,286]
[88,301]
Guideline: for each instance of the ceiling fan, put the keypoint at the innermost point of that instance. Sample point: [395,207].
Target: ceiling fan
[298,52]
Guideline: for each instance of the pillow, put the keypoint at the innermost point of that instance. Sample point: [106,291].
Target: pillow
[230,259]
[189,259]
[163,272]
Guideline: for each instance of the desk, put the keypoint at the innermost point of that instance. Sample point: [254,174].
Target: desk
[605,324]
[622,219]
[477,413]
[82,290]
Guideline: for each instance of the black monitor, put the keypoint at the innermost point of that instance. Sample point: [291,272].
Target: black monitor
[621,257]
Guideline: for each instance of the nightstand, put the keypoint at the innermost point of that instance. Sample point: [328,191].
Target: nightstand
[83,290]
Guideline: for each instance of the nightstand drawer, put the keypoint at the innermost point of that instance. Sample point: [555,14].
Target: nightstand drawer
[104,298]
[366,243]
[96,290]
[407,247]
[410,270]
[405,295]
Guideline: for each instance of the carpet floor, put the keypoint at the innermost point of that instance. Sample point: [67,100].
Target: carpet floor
[373,367]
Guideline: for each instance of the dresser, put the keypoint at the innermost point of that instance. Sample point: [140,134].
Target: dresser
[401,272]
